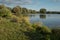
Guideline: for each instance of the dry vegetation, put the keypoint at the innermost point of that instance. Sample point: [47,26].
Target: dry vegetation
[13,27]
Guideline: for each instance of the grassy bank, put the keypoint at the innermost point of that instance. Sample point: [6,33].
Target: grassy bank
[15,26]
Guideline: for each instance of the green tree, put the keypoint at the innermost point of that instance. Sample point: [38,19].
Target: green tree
[17,10]
[25,11]
[33,11]
[42,10]
[4,12]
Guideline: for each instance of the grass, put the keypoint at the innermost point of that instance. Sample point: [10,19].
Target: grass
[19,30]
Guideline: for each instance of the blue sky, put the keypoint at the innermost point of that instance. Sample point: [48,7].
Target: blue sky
[50,5]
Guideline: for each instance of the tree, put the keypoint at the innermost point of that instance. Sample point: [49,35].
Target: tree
[17,10]
[33,11]
[4,12]
[25,10]
[42,10]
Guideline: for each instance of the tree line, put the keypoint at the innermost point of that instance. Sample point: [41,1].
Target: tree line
[20,10]
[17,10]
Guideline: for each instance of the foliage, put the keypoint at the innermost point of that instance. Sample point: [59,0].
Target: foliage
[42,10]
[12,31]
[18,27]
[9,8]
[25,10]
[40,33]
[55,34]
[4,12]
[17,10]
[22,31]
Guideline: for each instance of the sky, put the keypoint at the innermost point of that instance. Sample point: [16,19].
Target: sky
[50,5]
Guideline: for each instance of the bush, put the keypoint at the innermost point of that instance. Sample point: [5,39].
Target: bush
[4,12]
[14,18]
[43,33]
[11,31]
[39,33]
[55,34]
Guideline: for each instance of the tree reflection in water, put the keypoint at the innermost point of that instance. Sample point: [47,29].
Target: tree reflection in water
[43,16]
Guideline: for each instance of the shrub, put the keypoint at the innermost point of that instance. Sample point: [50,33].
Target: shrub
[38,34]
[43,33]
[4,12]
[11,31]
[55,34]
[14,19]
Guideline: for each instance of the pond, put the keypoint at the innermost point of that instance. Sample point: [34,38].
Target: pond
[50,20]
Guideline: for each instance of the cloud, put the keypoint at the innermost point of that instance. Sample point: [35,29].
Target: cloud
[55,0]
[23,2]
[15,2]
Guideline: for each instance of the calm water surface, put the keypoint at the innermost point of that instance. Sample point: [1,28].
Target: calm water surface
[50,20]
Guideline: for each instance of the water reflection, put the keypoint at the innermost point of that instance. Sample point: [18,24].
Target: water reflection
[43,16]
[50,20]
[32,15]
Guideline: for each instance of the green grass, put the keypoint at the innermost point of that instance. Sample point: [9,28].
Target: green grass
[20,31]
[11,31]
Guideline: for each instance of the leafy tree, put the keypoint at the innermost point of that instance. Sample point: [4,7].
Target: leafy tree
[4,12]
[33,11]
[42,10]
[25,11]
[17,10]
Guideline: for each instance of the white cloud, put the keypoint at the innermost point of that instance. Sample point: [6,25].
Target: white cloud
[55,0]
[15,2]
